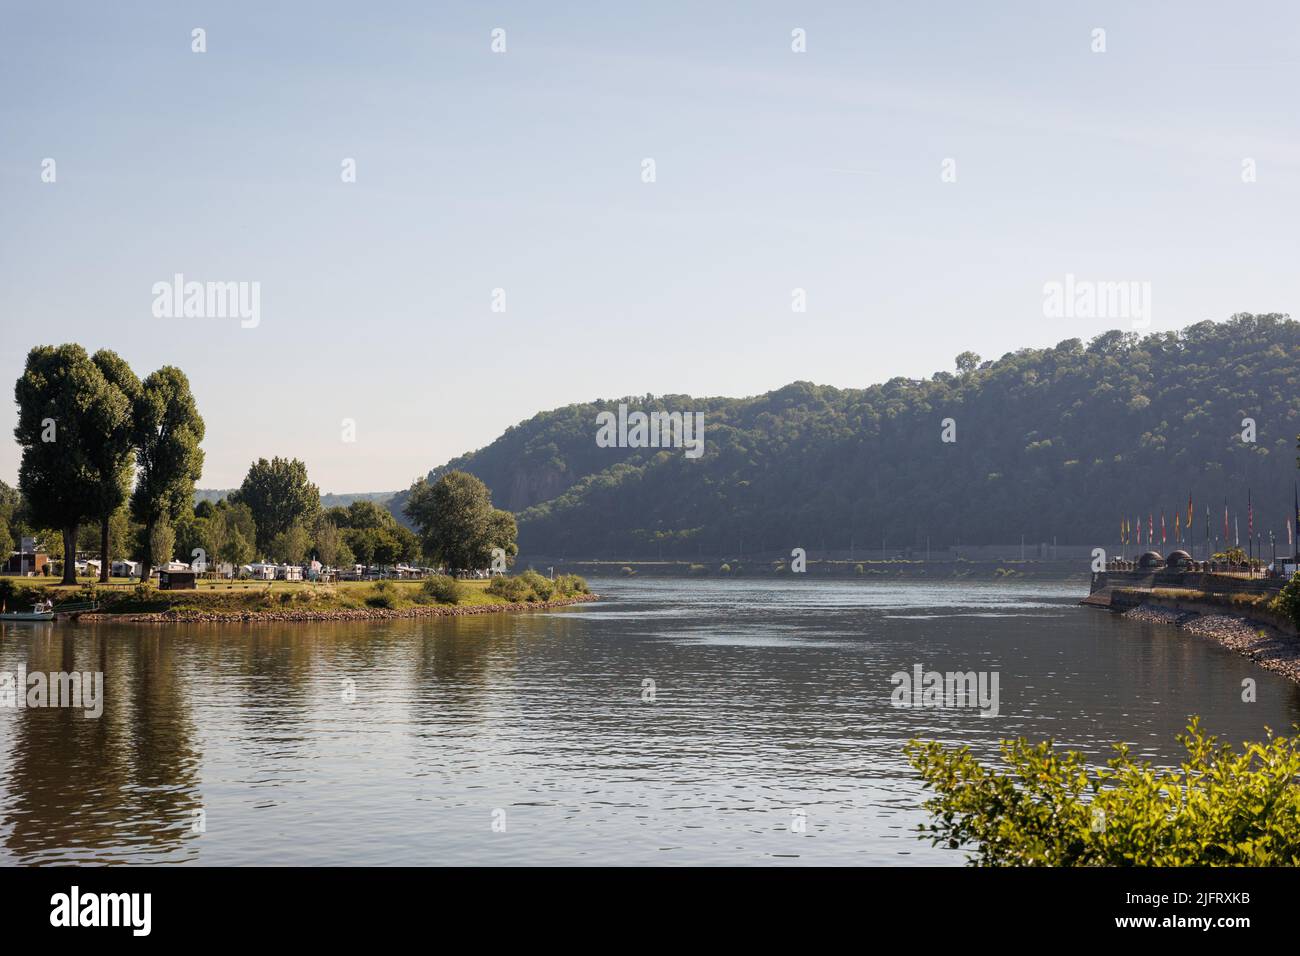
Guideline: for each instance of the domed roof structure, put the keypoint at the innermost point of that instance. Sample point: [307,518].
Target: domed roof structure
[1152,559]
[1178,558]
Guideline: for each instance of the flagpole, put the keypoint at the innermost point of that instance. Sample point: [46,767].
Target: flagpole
[1250,533]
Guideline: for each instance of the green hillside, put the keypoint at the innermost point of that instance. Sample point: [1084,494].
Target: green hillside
[1057,442]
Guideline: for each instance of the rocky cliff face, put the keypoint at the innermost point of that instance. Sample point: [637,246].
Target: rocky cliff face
[530,486]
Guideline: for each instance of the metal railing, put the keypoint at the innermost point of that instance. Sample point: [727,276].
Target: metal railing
[76,607]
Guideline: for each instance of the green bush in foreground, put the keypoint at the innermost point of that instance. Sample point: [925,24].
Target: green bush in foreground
[511,589]
[541,589]
[532,587]
[442,589]
[571,585]
[382,595]
[1219,808]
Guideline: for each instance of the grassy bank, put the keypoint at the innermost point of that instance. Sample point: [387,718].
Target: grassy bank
[280,599]
[1238,601]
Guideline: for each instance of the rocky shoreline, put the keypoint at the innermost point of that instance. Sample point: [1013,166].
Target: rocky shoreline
[348,614]
[1263,644]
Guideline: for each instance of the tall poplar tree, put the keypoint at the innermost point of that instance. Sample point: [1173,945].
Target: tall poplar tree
[168,430]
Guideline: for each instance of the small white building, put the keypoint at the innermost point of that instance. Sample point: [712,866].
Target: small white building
[261,571]
[288,572]
[125,569]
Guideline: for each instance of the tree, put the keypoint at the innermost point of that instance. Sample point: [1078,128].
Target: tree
[115,453]
[226,520]
[161,542]
[367,514]
[195,534]
[387,549]
[291,544]
[168,430]
[61,397]
[456,521]
[361,542]
[327,542]
[408,543]
[9,502]
[1232,556]
[236,548]
[278,493]
[502,532]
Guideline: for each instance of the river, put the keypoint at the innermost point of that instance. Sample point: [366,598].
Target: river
[674,722]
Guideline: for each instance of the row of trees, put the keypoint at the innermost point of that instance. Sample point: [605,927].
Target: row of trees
[101,446]
[94,438]
[276,513]
[228,530]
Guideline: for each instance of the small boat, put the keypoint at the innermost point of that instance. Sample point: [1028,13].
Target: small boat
[37,613]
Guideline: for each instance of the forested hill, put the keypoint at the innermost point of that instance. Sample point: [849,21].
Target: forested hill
[1058,442]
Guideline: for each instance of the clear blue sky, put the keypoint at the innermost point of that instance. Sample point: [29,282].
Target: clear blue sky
[477,170]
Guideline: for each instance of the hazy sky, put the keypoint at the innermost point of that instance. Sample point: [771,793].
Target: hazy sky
[522,170]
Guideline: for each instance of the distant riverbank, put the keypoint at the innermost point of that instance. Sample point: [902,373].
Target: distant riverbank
[769,567]
[237,601]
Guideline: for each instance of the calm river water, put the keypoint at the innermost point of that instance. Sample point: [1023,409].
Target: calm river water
[533,738]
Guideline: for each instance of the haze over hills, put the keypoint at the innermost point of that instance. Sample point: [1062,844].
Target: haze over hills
[1054,443]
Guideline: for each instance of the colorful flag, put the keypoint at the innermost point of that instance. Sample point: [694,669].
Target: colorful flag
[1189,516]
[1225,522]
[1163,536]
[1178,527]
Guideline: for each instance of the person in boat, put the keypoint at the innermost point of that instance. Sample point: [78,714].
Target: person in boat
[48,605]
